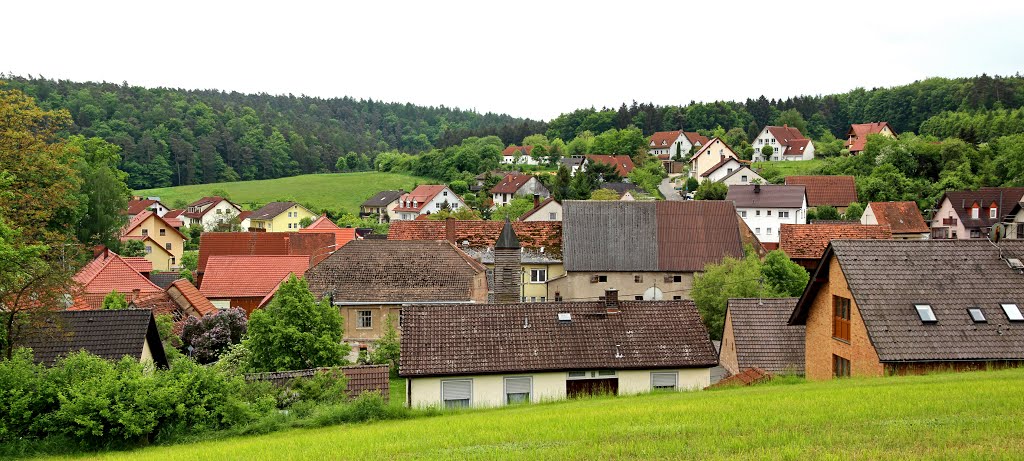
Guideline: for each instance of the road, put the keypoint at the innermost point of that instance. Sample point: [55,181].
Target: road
[667,190]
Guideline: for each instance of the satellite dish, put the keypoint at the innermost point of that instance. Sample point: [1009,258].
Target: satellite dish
[998,232]
[653,294]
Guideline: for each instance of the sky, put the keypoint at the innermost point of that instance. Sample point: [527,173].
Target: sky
[527,58]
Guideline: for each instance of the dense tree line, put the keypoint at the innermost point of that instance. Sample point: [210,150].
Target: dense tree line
[172,137]
[975,127]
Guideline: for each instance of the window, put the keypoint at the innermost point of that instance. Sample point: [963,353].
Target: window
[456,393]
[437,205]
[743,178]
[975,233]
[558,296]
[757,230]
[769,212]
[662,380]
[638,298]
[602,278]
[553,216]
[364,319]
[757,213]
[677,278]
[677,298]
[533,299]
[768,230]
[1012,312]
[783,214]
[167,245]
[841,318]
[974,212]
[993,213]
[163,232]
[538,275]
[638,278]
[145,232]
[149,249]
[840,367]
[976,314]
[518,389]
[743,214]
[925,312]
[445,193]
[577,374]
[542,299]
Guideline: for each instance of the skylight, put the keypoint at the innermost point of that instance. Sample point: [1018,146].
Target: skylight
[925,312]
[1013,312]
[976,314]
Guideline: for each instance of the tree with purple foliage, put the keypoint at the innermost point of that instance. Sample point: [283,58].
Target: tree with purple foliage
[212,335]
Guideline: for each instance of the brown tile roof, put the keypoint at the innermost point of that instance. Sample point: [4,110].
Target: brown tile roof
[249,276]
[439,340]
[244,215]
[173,218]
[396,271]
[108,334]
[696,138]
[194,297]
[421,195]
[510,184]
[859,133]
[531,234]
[766,196]
[105,273]
[902,217]
[383,198]
[837,191]
[142,217]
[660,236]
[262,243]
[663,139]
[762,336]
[271,210]
[747,377]
[785,134]
[511,150]
[888,277]
[808,241]
[540,205]
[323,225]
[138,206]
[623,163]
[1005,198]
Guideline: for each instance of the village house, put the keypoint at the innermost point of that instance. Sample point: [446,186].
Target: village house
[382,205]
[137,205]
[210,213]
[575,164]
[673,144]
[175,218]
[521,185]
[370,280]
[180,300]
[539,250]
[857,136]
[787,143]
[248,282]
[499,354]
[722,169]
[314,246]
[883,307]
[834,191]
[623,163]
[110,335]
[627,191]
[323,225]
[518,155]
[108,272]
[280,217]
[710,157]
[742,176]
[163,243]
[548,210]
[758,335]
[645,250]
[904,218]
[766,207]
[426,199]
[971,214]
[805,243]
[244,223]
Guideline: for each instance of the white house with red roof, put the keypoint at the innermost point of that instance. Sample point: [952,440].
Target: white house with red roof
[786,141]
[518,155]
[521,185]
[857,136]
[137,205]
[427,199]
[210,212]
[666,144]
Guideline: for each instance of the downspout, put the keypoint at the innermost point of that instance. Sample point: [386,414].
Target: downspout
[408,392]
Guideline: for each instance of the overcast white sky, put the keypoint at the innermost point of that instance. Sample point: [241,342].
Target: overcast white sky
[525,58]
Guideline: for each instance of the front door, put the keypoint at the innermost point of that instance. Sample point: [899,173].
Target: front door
[587,387]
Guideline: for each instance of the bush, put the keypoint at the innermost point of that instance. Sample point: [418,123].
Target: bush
[212,335]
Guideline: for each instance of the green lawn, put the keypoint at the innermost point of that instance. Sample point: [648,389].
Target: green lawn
[796,168]
[946,416]
[335,191]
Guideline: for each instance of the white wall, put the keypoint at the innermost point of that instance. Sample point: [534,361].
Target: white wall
[489,390]
[544,213]
[523,160]
[724,171]
[433,206]
[682,143]
[737,179]
[211,218]
[765,137]
[766,227]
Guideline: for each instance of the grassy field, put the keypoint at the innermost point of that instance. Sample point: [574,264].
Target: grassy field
[798,168]
[947,416]
[335,191]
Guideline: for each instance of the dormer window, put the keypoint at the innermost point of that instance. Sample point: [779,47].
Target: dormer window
[924,311]
[974,212]
[993,213]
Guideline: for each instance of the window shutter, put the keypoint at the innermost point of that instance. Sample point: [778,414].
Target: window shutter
[456,389]
[663,380]
[520,385]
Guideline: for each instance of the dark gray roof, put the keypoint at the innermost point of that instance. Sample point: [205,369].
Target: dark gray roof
[888,277]
[507,239]
[573,161]
[164,279]
[272,209]
[439,340]
[107,334]
[620,187]
[762,336]
[770,196]
[657,236]
[383,198]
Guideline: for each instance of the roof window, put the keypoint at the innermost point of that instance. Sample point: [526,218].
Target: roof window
[925,312]
[976,314]
[1013,312]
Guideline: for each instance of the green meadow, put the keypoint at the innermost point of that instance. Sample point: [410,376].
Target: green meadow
[793,168]
[333,191]
[943,416]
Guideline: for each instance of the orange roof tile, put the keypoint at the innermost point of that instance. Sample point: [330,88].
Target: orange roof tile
[261,243]
[696,138]
[858,134]
[902,217]
[139,263]
[105,273]
[511,150]
[837,191]
[808,241]
[138,206]
[248,276]
[623,163]
[663,139]
[323,225]
[421,195]
[194,297]
[510,184]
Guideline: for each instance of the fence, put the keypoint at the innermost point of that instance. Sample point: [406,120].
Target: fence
[361,378]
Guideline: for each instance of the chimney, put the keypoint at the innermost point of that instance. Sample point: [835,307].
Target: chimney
[757,188]
[508,267]
[536,200]
[449,229]
[135,295]
[611,300]
[785,125]
[721,157]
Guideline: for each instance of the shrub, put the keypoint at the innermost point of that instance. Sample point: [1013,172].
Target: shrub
[212,335]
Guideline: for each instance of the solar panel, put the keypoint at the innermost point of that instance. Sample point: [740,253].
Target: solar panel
[925,312]
[976,314]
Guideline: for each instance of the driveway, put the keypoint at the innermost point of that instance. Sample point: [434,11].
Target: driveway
[667,190]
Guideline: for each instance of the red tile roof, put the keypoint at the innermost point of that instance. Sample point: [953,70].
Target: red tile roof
[837,191]
[243,215]
[511,150]
[808,241]
[139,263]
[105,273]
[194,297]
[421,195]
[663,139]
[324,225]
[696,138]
[531,234]
[785,134]
[173,217]
[138,206]
[858,134]
[262,243]
[510,184]
[901,217]
[623,163]
[249,276]
[796,147]
[140,218]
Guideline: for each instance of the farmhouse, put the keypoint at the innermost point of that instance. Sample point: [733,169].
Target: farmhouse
[426,199]
[486,355]
[880,307]
[672,144]
[857,136]
[834,191]
[280,217]
[111,335]
[210,212]
[382,205]
[787,144]
[766,207]
[162,242]
[517,185]
[758,335]
[805,243]
[518,155]
[710,157]
[904,218]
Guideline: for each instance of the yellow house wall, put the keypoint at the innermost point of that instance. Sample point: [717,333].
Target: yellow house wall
[489,390]
[147,355]
[709,157]
[281,221]
[159,259]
